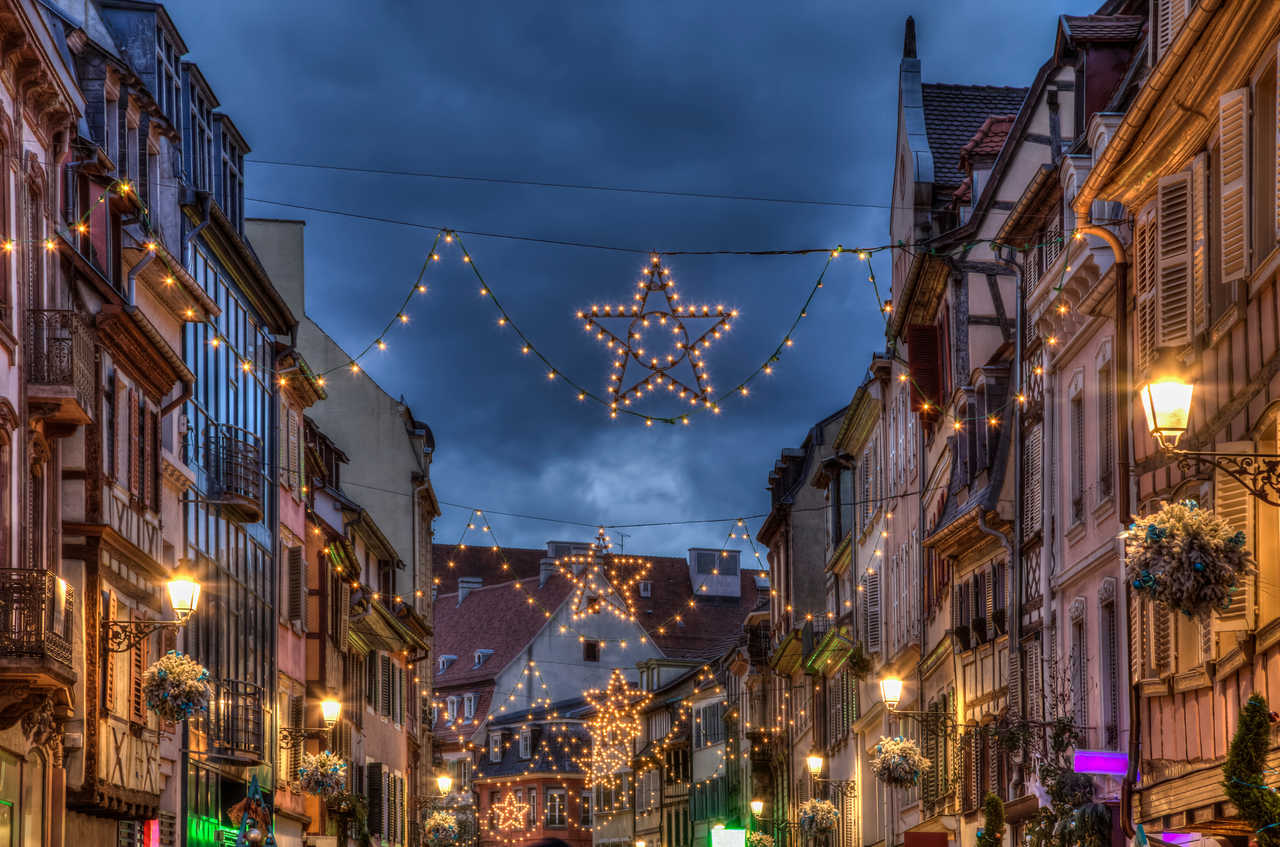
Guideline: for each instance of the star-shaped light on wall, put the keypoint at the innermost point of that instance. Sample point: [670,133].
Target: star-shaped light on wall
[510,812]
[662,359]
[603,584]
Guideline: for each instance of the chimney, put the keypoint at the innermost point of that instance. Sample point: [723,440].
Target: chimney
[909,39]
[467,584]
[547,570]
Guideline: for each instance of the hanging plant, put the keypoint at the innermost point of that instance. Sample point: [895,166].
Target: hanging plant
[899,762]
[176,687]
[1190,559]
[441,828]
[817,816]
[859,665]
[759,839]
[350,815]
[322,774]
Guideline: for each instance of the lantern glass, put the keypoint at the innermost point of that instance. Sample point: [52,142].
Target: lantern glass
[1167,404]
[184,595]
[757,807]
[331,709]
[814,761]
[445,783]
[891,692]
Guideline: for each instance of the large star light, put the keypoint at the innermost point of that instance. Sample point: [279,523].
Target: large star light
[511,812]
[656,344]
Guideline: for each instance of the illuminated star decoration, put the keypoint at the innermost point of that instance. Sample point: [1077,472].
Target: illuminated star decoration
[511,812]
[600,585]
[614,726]
[656,364]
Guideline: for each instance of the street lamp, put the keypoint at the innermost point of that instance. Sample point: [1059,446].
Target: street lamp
[296,736]
[1166,401]
[814,761]
[757,807]
[123,635]
[891,692]
[444,782]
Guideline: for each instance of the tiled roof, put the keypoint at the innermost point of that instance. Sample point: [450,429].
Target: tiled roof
[557,747]
[953,114]
[705,631]
[989,139]
[451,561]
[1121,28]
[460,730]
[495,617]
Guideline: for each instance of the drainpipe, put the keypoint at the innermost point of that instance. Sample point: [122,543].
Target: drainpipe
[1124,479]
[1015,554]
[136,269]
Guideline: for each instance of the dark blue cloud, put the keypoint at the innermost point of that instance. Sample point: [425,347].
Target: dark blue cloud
[794,99]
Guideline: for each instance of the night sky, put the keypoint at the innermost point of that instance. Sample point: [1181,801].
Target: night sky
[794,100]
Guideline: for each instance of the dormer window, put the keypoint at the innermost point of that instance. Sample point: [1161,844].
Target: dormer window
[231,192]
[526,743]
[481,656]
[443,663]
[468,706]
[646,588]
[495,747]
[451,708]
[168,88]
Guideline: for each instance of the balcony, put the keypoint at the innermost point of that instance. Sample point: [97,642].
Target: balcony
[233,726]
[233,460]
[36,618]
[60,367]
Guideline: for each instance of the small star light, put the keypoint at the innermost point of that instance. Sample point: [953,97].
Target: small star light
[670,348]
[511,812]
[614,728]
[602,581]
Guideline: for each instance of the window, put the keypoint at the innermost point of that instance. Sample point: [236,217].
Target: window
[1110,655]
[451,706]
[232,179]
[443,663]
[1079,666]
[591,651]
[480,657]
[708,725]
[704,561]
[646,588]
[1106,431]
[111,128]
[201,141]
[1263,120]
[468,706]
[531,817]
[526,743]
[677,766]
[1077,457]
[557,808]
[584,808]
[495,747]
[168,91]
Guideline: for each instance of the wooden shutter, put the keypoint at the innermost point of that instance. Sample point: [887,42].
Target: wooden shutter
[295,470]
[1199,242]
[1162,632]
[1174,263]
[109,658]
[1032,480]
[344,614]
[297,718]
[375,781]
[923,352]
[385,678]
[282,436]
[135,458]
[1144,269]
[1233,501]
[873,612]
[1233,200]
[371,679]
[1169,17]
[297,583]
[137,667]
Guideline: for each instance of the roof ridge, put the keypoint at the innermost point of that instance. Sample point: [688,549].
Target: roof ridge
[973,85]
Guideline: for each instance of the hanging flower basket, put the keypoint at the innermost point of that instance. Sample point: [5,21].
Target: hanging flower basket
[322,774]
[817,816]
[899,762]
[350,816]
[176,687]
[759,839]
[1188,558]
[441,828]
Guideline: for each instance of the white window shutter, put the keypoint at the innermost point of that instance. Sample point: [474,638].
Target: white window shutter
[1174,216]
[1199,242]
[1233,202]
[1144,268]
[1233,501]
[1168,15]
[873,612]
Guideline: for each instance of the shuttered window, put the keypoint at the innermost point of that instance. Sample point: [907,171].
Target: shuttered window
[1106,431]
[137,667]
[1077,448]
[297,719]
[1032,479]
[135,457]
[1233,205]
[1144,269]
[1169,16]
[1110,644]
[1200,209]
[926,366]
[1233,502]
[385,674]
[1174,262]
[375,785]
[296,564]
[871,607]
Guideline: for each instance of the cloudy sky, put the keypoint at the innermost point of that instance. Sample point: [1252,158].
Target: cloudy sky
[794,100]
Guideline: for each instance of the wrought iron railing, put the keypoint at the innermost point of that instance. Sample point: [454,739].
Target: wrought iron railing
[233,459]
[36,615]
[60,351]
[234,721]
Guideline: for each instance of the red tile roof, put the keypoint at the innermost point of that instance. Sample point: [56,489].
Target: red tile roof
[451,561]
[704,632]
[988,140]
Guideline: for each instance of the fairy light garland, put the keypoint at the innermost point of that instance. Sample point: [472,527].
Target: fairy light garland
[602,585]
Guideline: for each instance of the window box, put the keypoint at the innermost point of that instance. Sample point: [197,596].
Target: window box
[962,636]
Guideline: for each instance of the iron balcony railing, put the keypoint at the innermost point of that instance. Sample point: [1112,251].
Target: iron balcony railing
[233,459]
[60,352]
[234,722]
[36,616]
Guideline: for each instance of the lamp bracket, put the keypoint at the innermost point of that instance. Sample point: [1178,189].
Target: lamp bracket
[1259,473]
[122,636]
[296,736]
